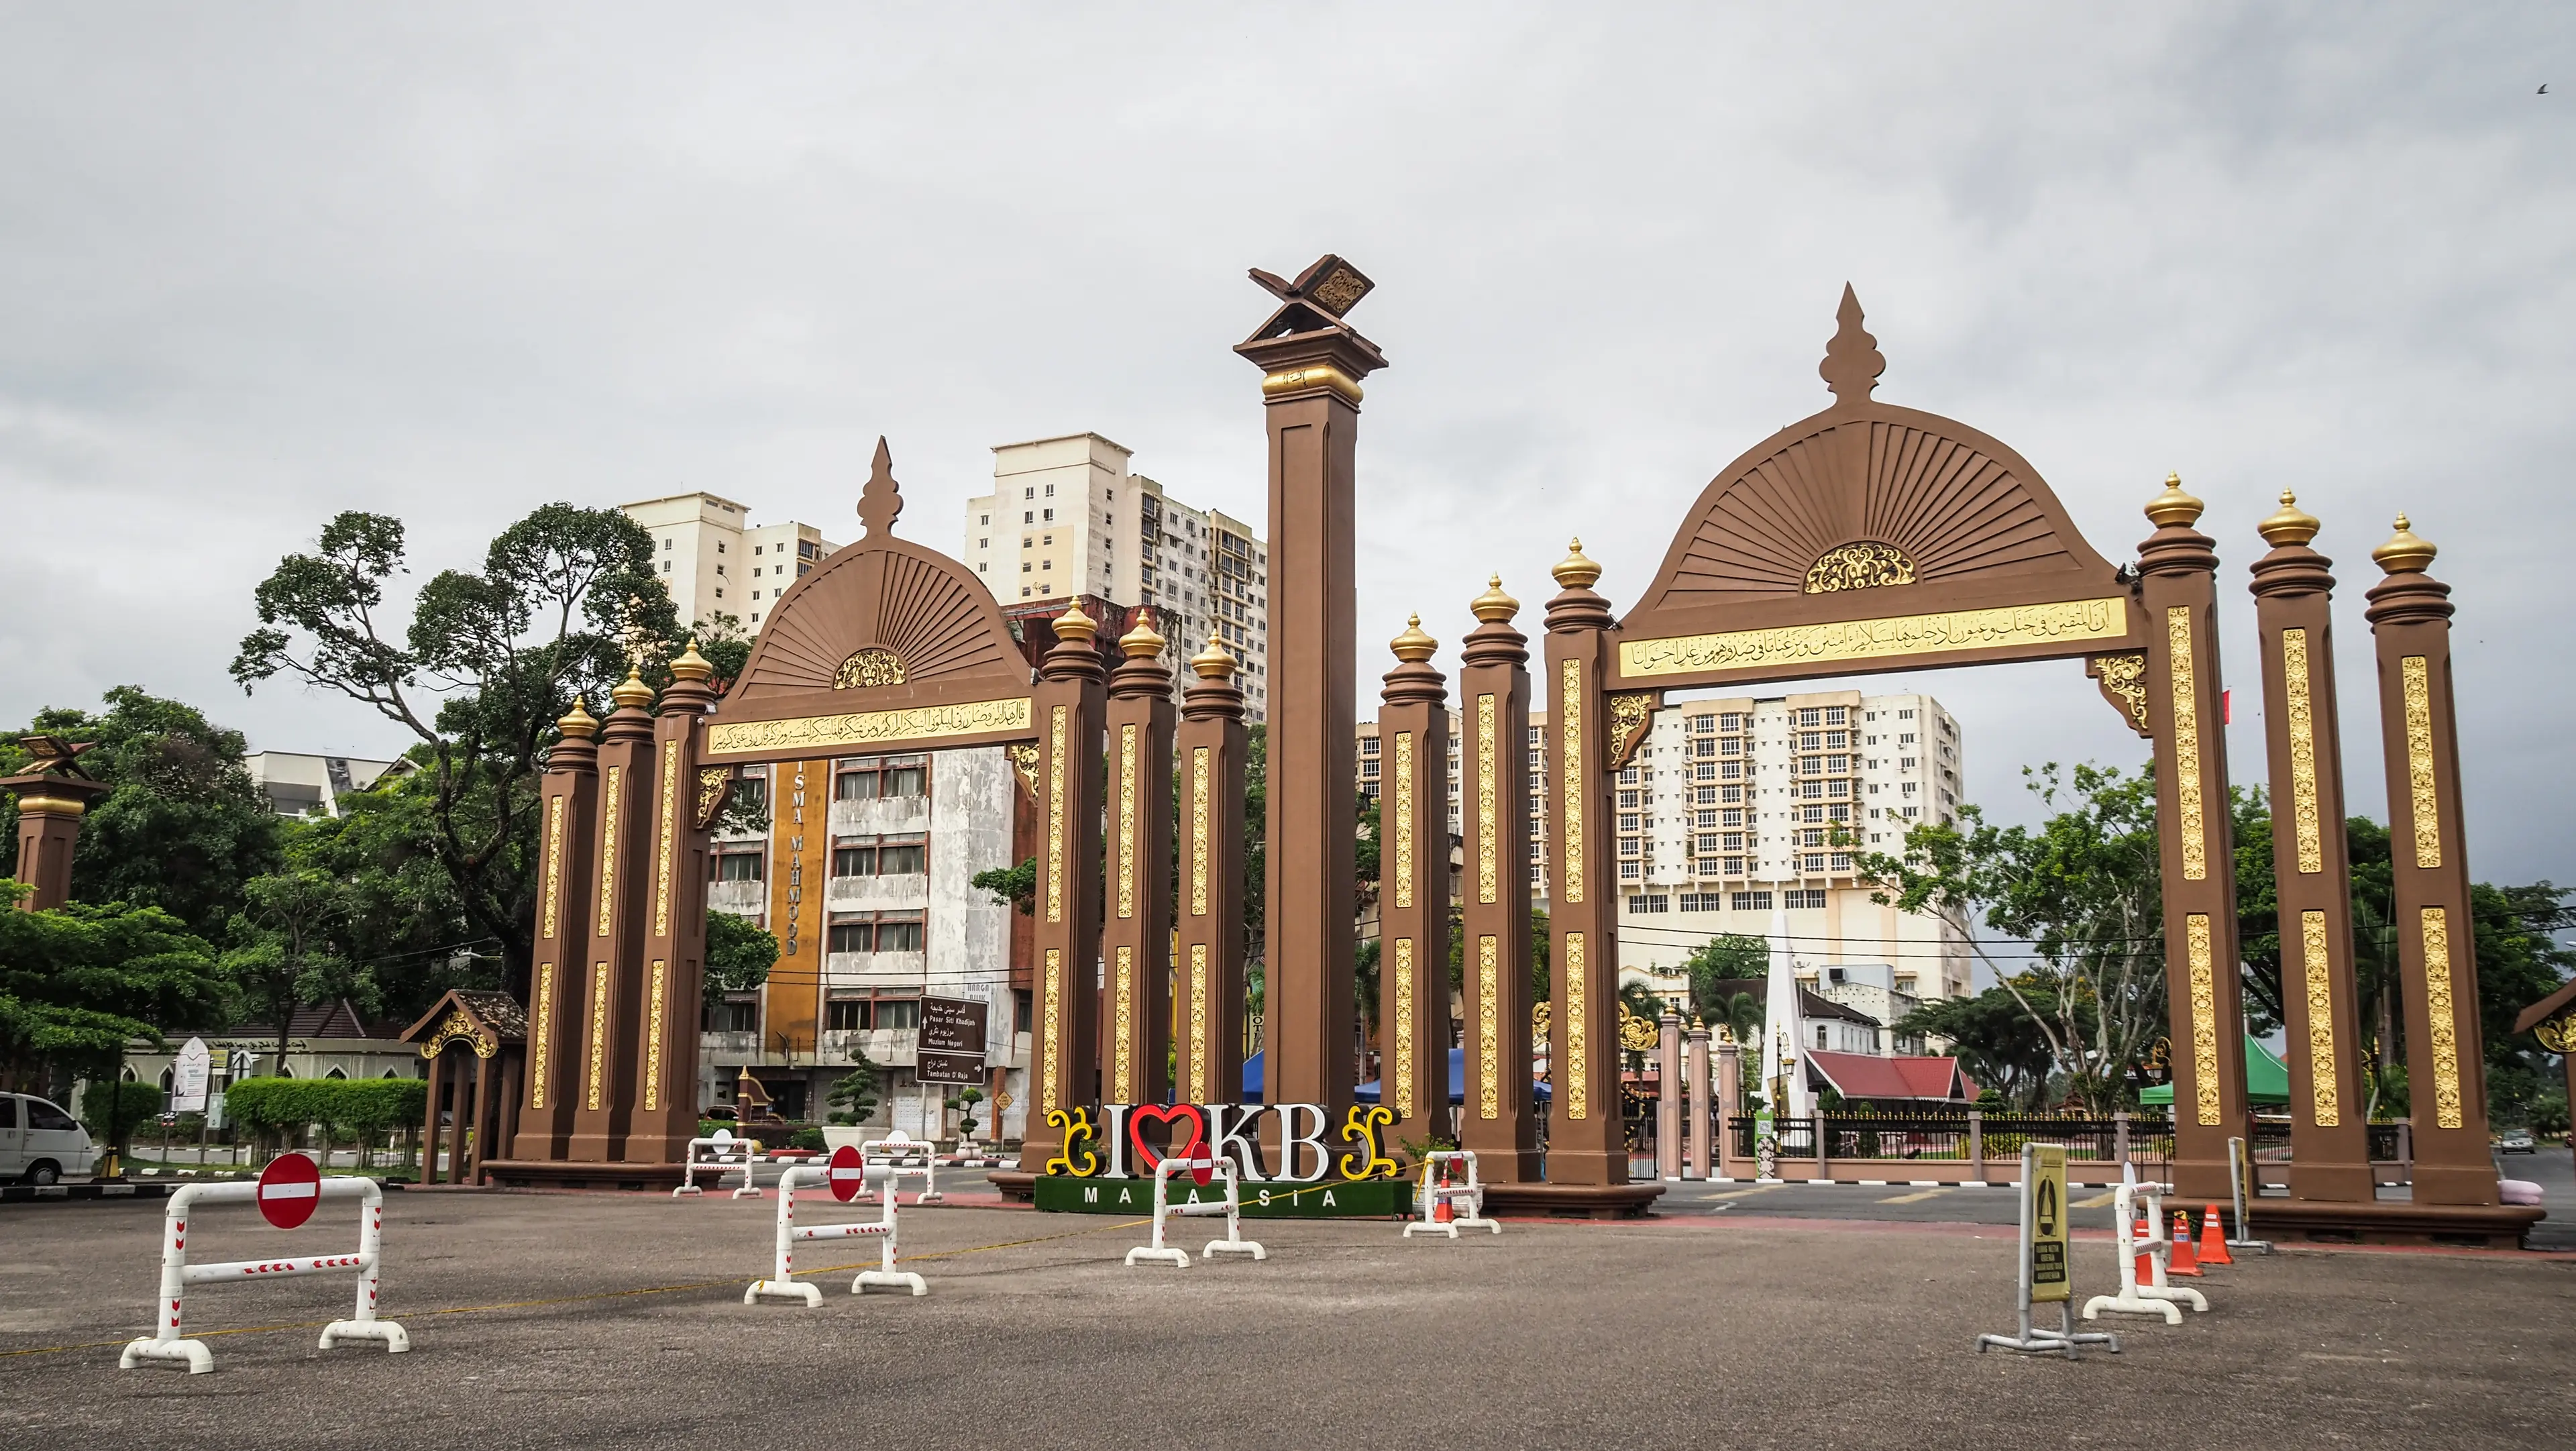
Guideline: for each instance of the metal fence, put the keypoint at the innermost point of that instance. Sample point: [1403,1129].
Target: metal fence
[1952,1137]
[2387,1140]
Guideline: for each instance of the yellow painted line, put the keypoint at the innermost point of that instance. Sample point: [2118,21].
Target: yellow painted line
[1916,1197]
[2098,1201]
[1740,1193]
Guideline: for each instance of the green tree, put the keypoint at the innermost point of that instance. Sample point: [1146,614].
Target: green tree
[478,675]
[1729,957]
[79,982]
[401,927]
[1994,1037]
[740,953]
[285,949]
[1011,886]
[182,827]
[855,1092]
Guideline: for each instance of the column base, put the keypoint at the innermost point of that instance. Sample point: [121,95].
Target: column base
[562,1174]
[2333,1183]
[1570,1201]
[2466,1185]
[2292,1221]
[1588,1166]
[2212,1180]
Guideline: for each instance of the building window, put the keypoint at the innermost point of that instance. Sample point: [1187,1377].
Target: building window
[1749,901]
[882,776]
[1797,900]
[734,866]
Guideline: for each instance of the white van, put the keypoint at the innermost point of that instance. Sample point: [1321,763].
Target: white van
[39,1142]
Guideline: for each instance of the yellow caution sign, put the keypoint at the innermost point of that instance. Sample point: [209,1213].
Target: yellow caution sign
[2045,1183]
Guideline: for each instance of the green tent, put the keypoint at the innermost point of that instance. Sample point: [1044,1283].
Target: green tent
[2266,1081]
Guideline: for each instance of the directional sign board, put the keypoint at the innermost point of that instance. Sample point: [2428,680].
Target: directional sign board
[2047,1188]
[289,1189]
[188,1077]
[951,1045]
[847,1173]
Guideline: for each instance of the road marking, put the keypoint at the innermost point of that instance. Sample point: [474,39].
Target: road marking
[2098,1201]
[1740,1193]
[1915,1198]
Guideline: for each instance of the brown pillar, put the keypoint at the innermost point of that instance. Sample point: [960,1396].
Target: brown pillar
[1695,1075]
[1413,891]
[567,874]
[2446,1081]
[1136,930]
[1668,1097]
[2180,595]
[2293,606]
[1586,1143]
[1311,364]
[612,939]
[675,926]
[1064,1042]
[50,808]
[1496,1122]
[429,1130]
[1728,1097]
[479,1143]
[1211,748]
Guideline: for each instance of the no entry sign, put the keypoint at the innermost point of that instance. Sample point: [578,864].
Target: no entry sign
[289,1188]
[847,1174]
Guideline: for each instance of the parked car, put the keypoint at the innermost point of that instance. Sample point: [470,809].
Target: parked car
[2516,1141]
[40,1143]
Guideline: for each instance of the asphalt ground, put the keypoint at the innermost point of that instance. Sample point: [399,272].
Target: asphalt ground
[558,1319]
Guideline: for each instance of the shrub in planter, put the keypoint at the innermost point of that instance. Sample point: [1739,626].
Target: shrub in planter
[809,1139]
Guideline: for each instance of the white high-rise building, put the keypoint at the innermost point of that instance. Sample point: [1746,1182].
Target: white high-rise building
[1066,521]
[714,561]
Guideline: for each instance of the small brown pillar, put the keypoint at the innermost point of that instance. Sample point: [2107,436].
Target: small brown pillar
[1211,747]
[2294,611]
[1695,1076]
[2180,594]
[612,939]
[1728,1097]
[2410,618]
[1586,1142]
[1496,1122]
[1136,933]
[1413,891]
[1668,1097]
[1312,363]
[672,1001]
[474,1132]
[429,1129]
[1064,1041]
[50,808]
[567,872]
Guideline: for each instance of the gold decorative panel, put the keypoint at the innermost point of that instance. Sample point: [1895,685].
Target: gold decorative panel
[2123,676]
[1489,1069]
[2204,1018]
[1404,818]
[2325,1103]
[1055,816]
[2297,694]
[613,799]
[1404,1047]
[2443,1016]
[665,848]
[657,996]
[2066,622]
[1866,564]
[541,1035]
[554,862]
[1051,1067]
[867,727]
[869,668]
[1487,823]
[1200,1047]
[1127,824]
[2415,679]
[714,784]
[1570,777]
[1631,712]
[1024,759]
[1199,806]
[598,1034]
[1122,988]
[2185,683]
[1578,1033]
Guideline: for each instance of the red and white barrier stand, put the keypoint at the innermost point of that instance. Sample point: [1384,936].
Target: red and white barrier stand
[287,1192]
[724,1153]
[847,1176]
[2141,1239]
[1200,1170]
[1444,1195]
[901,1151]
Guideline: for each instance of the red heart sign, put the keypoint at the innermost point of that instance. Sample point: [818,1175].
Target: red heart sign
[1146,1159]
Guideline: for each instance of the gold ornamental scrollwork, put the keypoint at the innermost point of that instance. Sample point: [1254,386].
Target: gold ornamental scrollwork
[1127,823]
[1199,808]
[1570,780]
[541,1035]
[1488,1024]
[2056,622]
[1055,815]
[1578,1032]
[2415,681]
[2123,678]
[2558,1035]
[2297,691]
[2185,683]
[2443,1016]
[1488,826]
[1199,1046]
[1862,564]
[1024,761]
[1123,1067]
[715,783]
[554,861]
[2204,1018]
[458,1028]
[2325,1102]
[1404,1107]
[1404,824]
[1631,713]
[1050,1068]
[1639,1035]
[869,668]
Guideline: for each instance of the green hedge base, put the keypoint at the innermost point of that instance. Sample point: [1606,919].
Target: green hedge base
[1343,1199]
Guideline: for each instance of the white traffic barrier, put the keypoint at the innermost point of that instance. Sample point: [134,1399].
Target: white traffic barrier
[724,1153]
[288,1199]
[1200,1170]
[899,1150]
[846,1176]
[2156,1297]
[1439,1191]
[2240,1161]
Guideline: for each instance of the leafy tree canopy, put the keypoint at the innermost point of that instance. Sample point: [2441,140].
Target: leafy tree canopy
[79,982]
[740,953]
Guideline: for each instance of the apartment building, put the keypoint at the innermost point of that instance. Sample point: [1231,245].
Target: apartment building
[1067,520]
[714,561]
[1372,766]
[301,785]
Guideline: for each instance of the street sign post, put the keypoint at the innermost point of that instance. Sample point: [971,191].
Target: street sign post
[289,1188]
[188,1076]
[951,1043]
[2044,1272]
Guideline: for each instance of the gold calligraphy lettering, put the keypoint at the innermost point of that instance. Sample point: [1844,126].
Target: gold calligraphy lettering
[2063,622]
[867,727]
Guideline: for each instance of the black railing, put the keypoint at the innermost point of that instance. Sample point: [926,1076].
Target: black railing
[1897,1137]
[2387,1141]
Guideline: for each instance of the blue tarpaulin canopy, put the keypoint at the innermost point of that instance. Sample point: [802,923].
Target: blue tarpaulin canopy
[1368,1092]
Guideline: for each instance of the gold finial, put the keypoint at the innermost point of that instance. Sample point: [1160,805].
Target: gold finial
[2173,506]
[1213,663]
[577,723]
[2292,525]
[1413,646]
[632,692]
[1073,624]
[1574,571]
[691,665]
[2406,551]
[1494,605]
[1141,643]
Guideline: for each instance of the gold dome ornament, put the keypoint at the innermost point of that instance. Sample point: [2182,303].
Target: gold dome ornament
[2406,551]
[1142,643]
[1073,624]
[1415,645]
[2173,507]
[632,692]
[1574,571]
[691,665]
[2292,525]
[577,723]
[1494,605]
[1213,663]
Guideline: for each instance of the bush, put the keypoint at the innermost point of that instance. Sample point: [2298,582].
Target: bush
[131,1105]
[362,1106]
[809,1139]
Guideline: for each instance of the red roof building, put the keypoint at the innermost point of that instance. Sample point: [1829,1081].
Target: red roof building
[1867,1076]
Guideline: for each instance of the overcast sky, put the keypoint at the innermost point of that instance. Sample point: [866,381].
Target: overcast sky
[259,264]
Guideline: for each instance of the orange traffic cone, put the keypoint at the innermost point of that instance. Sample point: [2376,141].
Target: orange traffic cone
[2213,1239]
[2181,1261]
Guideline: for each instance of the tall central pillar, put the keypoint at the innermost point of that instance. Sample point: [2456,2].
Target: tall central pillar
[556,985]
[1587,1143]
[1312,364]
[614,938]
[1136,935]
[1064,1046]
[1496,1122]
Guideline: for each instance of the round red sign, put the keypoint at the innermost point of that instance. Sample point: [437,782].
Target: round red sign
[289,1190]
[847,1174]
